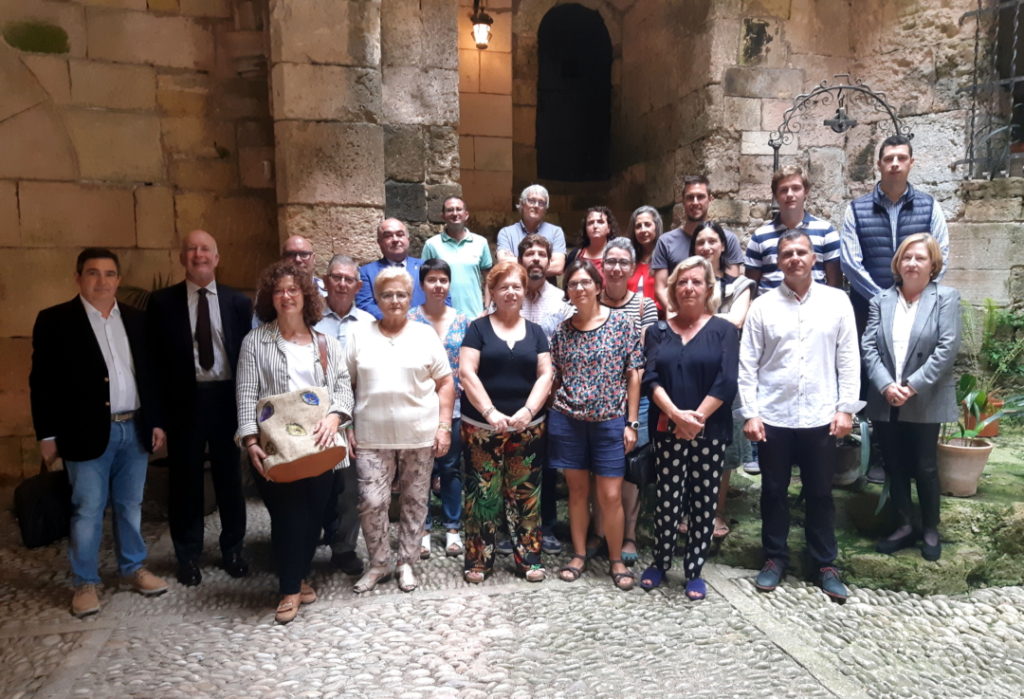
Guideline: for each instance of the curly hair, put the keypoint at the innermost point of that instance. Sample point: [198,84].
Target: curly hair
[613,225]
[312,302]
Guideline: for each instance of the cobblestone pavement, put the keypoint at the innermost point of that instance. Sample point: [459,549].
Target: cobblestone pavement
[503,638]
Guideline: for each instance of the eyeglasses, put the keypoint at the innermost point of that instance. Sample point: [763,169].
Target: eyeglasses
[533,201]
[339,278]
[290,291]
[299,254]
[394,295]
[581,284]
[613,262]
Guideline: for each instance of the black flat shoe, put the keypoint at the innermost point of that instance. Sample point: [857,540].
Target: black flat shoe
[897,544]
[235,565]
[189,574]
[931,552]
[348,563]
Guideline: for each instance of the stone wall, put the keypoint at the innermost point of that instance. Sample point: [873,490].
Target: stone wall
[486,123]
[986,256]
[149,120]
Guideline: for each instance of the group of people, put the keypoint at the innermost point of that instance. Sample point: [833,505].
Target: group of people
[477,378]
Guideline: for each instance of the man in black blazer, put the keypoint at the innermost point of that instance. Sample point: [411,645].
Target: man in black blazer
[196,329]
[93,405]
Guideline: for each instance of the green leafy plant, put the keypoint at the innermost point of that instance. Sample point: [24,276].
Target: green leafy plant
[1002,346]
[974,397]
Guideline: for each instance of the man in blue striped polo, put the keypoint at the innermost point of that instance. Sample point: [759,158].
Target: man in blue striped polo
[790,187]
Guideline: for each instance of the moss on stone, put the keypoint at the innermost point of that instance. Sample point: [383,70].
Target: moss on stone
[37,37]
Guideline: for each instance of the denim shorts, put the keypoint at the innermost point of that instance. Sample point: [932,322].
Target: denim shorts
[589,446]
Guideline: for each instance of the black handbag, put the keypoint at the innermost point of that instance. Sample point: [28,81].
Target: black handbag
[640,466]
[42,505]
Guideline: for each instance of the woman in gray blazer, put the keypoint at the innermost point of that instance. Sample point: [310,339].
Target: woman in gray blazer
[909,346]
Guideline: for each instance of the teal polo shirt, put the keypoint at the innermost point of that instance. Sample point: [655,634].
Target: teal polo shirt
[469,259]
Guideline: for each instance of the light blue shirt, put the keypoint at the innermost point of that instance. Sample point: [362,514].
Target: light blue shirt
[340,327]
[469,257]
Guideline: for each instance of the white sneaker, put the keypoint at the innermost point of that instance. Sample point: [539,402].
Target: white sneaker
[453,544]
[752,467]
[425,546]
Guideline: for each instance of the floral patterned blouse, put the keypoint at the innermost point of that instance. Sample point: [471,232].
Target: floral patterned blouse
[452,343]
[591,367]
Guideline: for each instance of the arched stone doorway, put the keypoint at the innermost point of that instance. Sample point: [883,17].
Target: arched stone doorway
[574,53]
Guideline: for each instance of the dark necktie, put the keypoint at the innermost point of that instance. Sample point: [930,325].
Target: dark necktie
[204,334]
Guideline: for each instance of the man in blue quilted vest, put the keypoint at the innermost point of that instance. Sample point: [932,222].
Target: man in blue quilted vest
[877,222]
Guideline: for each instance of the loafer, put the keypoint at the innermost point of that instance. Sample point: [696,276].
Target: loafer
[307,595]
[287,609]
[348,562]
[85,601]
[145,583]
[832,585]
[235,565]
[769,577]
[897,544]
[550,544]
[189,574]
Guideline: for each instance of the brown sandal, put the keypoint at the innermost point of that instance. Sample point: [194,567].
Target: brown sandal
[570,573]
[620,578]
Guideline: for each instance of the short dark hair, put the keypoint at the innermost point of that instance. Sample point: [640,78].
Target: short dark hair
[691,180]
[588,267]
[435,264]
[613,225]
[717,228]
[312,302]
[533,240]
[895,141]
[791,235]
[444,204]
[97,254]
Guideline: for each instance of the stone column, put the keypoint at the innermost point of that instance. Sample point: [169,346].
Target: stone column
[326,104]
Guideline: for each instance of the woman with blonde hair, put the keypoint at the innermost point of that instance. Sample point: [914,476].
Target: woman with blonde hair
[690,376]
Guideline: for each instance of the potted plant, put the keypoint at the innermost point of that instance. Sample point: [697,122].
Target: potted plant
[962,455]
[1001,355]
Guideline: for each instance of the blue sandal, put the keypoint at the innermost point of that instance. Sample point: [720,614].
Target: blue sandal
[696,589]
[629,558]
[651,578]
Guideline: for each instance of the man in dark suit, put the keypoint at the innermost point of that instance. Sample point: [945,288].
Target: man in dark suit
[393,239]
[196,329]
[93,405]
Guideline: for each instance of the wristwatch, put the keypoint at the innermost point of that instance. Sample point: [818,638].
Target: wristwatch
[635,425]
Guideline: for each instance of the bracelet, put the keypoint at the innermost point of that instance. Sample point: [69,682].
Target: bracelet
[446,426]
[532,414]
[487,413]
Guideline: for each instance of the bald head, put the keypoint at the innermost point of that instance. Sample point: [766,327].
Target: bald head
[393,239]
[199,257]
[299,251]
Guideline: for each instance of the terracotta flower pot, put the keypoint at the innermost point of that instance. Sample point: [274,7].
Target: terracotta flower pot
[961,463]
[991,429]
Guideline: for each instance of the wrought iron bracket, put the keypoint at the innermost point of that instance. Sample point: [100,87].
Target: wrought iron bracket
[845,93]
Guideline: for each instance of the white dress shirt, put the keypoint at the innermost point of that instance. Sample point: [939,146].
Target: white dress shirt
[117,353]
[220,371]
[902,323]
[799,359]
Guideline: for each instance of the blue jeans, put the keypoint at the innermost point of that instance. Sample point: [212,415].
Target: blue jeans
[449,468]
[120,476]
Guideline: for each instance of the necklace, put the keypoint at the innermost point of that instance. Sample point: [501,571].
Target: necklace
[615,301]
